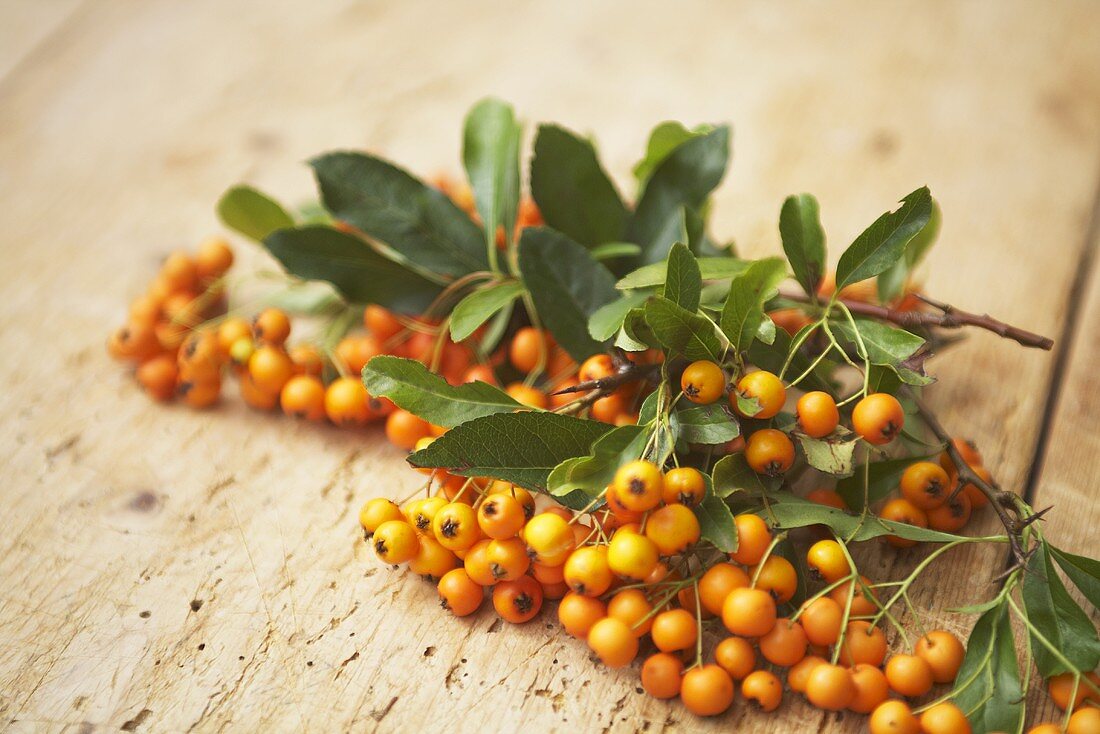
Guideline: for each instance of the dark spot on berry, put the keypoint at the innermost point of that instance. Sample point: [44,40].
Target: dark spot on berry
[449,528]
[636,485]
[523,603]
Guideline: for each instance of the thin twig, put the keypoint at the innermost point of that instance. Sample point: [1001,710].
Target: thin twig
[1000,500]
[949,317]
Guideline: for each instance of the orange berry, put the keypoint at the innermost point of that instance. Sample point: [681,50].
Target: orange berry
[631,555]
[135,342]
[455,526]
[518,601]
[827,497]
[735,656]
[158,376]
[925,484]
[577,613]
[529,396]
[951,516]
[596,367]
[519,494]
[550,538]
[673,528]
[608,408]
[527,349]
[863,604]
[213,259]
[706,691]
[270,368]
[753,539]
[764,688]
[200,393]
[230,330]
[769,451]
[878,418]
[380,322]
[943,652]
[638,485]
[587,570]
[894,717]
[179,272]
[684,485]
[944,718]
[827,561]
[271,326]
[830,687]
[661,675]
[821,620]
[476,563]
[432,561]
[904,511]
[254,396]
[674,630]
[395,541]
[307,360]
[632,608]
[508,559]
[785,644]
[863,644]
[749,612]
[459,593]
[377,511]
[909,675]
[766,388]
[355,351]
[303,396]
[799,674]
[1084,721]
[613,641]
[817,414]
[703,382]
[1060,688]
[778,577]
[500,516]
[481,373]
[404,429]
[716,584]
[346,402]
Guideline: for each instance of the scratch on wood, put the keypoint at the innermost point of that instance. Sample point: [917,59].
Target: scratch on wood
[379,714]
[137,721]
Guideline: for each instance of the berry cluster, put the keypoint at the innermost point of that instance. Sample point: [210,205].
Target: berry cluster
[622,576]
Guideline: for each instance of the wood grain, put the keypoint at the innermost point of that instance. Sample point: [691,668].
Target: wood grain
[166,570]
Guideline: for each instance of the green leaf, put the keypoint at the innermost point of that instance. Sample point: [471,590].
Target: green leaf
[681,331]
[683,281]
[521,448]
[480,306]
[1083,572]
[590,475]
[683,179]
[574,193]
[388,204]
[744,309]
[567,286]
[490,152]
[891,282]
[716,523]
[414,388]
[608,319]
[988,686]
[665,138]
[796,512]
[707,424]
[832,455]
[883,243]
[615,250]
[733,474]
[252,213]
[361,274]
[803,240]
[710,268]
[884,478]
[1058,617]
[635,334]
[888,346]
[306,298]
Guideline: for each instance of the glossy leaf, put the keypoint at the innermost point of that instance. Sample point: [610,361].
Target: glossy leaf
[490,152]
[716,523]
[522,448]
[416,221]
[683,281]
[567,286]
[733,474]
[574,193]
[592,473]
[710,268]
[988,685]
[888,346]
[685,178]
[891,282]
[361,274]
[832,455]
[252,213]
[664,139]
[1083,572]
[803,240]
[744,309]
[480,306]
[883,243]
[707,424]
[795,512]
[608,319]
[411,386]
[681,331]
[1058,618]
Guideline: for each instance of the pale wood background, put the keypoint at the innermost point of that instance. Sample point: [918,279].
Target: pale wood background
[165,570]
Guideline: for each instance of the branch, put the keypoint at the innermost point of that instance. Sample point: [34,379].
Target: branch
[1000,500]
[949,317]
[596,389]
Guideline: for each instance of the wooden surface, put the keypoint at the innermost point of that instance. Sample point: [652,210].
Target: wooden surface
[165,570]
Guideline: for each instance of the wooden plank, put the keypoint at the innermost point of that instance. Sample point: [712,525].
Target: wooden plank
[26,24]
[1070,468]
[169,570]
